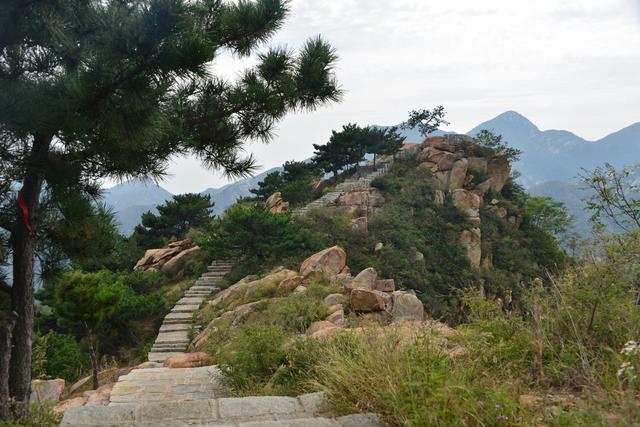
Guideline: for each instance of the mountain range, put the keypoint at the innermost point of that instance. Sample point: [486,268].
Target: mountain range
[550,164]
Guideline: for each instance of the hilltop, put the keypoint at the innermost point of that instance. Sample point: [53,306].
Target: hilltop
[550,159]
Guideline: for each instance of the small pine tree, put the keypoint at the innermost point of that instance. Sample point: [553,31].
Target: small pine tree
[87,300]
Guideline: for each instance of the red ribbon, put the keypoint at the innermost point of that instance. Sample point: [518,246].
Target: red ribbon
[22,202]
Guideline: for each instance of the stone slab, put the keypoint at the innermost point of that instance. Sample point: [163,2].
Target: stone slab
[99,415]
[245,407]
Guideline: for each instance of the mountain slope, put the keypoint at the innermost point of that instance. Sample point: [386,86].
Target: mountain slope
[557,155]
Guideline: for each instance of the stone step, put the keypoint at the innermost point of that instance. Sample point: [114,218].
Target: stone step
[175,321]
[176,327]
[184,399]
[190,300]
[185,308]
[161,357]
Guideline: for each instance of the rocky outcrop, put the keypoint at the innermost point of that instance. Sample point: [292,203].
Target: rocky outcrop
[406,306]
[172,260]
[327,263]
[46,390]
[276,204]
[188,360]
[471,240]
[446,157]
[361,199]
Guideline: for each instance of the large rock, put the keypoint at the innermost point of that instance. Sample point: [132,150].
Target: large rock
[334,299]
[469,203]
[100,396]
[471,240]
[232,291]
[458,174]
[478,164]
[361,199]
[406,306]
[438,142]
[499,170]
[176,266]
[366,278]
[364,300]
[70,403]
[321,325]
[276,204]
[227,320]
[290,283]
[443,159]
[188,360]
[274,277]
[384,285]
[46,390]
[156,257]
[329,263]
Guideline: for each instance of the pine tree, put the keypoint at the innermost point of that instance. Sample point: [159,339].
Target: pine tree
[175,217]
[115,88]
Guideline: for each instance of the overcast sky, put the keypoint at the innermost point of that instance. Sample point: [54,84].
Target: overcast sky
[571,64]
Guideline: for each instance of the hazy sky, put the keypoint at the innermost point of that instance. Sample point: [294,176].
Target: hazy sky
[572,65]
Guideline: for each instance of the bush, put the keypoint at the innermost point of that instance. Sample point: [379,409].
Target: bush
[409,384]
[142,282]
[38,415]
[59,356]
[256,356]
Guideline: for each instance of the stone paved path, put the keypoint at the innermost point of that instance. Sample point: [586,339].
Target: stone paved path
[350,184]
[165,397]
[156,396]
[174,332]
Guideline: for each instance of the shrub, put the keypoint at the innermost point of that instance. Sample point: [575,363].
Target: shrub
[256,356]
[410,384]
[142,282]
[59,356]
[38,415]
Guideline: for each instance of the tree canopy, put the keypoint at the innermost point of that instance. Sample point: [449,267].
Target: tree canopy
[114,89]
[295,182]
[175,217]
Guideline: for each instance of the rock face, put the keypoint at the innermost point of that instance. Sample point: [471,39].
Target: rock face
[328,263]
[188,360]
[172,260]
[499,170]
[46,390]
[276,204]
[471,240]
[406,306]
[365,199]
[290,283]
[177,265]
[363,300]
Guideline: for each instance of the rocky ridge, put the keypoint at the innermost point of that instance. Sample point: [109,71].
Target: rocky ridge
[466,176]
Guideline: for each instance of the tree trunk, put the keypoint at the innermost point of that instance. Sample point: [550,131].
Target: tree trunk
[374,161]
[7,323]
[94,358]
[23,240]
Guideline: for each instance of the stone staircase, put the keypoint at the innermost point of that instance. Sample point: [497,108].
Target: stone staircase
[350,184]
[163,397]
[174,332]
[155,396]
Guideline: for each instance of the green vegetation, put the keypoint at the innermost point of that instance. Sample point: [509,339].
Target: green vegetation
[36,415]
[348,147]
[177,216]
[109,90]
[295,183]
[427,121]
[90,301]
